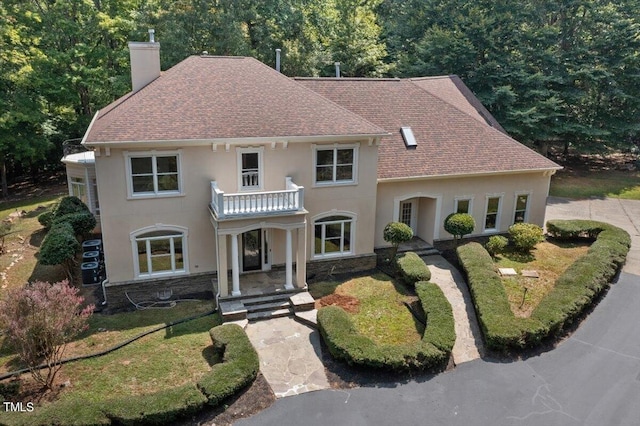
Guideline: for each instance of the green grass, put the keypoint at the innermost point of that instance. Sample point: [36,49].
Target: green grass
[602,183]
[382,316]
[549,259]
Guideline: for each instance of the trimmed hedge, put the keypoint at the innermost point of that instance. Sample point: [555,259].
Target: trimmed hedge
[431,353]
[574,291]
[412,268]
[46,219]
[82,223]
[238,369]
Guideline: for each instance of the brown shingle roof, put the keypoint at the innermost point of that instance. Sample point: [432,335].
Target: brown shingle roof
[205,97]
[450,141]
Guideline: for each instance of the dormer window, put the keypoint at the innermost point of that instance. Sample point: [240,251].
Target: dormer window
[250,169]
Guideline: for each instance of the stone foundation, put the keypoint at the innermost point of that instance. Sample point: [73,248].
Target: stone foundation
[325,268]
[193,286]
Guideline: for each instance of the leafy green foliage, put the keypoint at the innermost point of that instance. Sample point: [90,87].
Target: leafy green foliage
[82,223]
[397,233]
[46,219]
[412,268]
[496,244]
[68,205]
[239,365]
[59,247]
[574,290]
[459,225]
[525,236]
[431,353]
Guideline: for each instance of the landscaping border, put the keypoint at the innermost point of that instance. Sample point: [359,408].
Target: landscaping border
[239,367]
[431,353]
[574,292]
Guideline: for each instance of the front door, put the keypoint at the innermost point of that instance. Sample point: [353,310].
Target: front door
[252,250]
[408,213]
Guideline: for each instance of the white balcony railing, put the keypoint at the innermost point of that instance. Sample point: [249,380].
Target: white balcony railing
[257,203]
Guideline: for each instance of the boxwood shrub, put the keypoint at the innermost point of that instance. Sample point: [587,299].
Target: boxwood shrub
[412,269]
[431,353]
[82,223]
[574,290]
[239,365]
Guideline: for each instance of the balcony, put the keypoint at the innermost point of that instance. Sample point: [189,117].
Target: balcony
[254,204]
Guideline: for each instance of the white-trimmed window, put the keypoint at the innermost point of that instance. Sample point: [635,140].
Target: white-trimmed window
[492,212]
[78,188]
[521,212]
[250,175]
[155,173]
[463,205]
[159,252]
[335,164]
[333,236]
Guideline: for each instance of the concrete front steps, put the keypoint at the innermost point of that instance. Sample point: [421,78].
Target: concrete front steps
[263,307]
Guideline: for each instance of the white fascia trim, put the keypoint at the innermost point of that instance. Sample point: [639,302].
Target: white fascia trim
[266,140]
[93,120]
[466,175]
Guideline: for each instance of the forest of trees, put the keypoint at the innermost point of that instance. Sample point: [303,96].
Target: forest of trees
[561,73]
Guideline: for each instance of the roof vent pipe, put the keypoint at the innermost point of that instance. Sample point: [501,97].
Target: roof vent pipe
[152,35]
[337,64]
[278,59]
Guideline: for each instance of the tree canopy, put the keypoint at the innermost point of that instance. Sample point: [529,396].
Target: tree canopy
[554,73]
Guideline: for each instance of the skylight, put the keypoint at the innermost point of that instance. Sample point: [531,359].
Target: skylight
[409,139]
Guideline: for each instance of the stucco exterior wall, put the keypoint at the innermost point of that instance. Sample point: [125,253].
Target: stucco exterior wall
[438,198]
[121,215]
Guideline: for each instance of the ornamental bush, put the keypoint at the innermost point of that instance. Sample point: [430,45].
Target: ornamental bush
[39,320]
[496,244]
[68,205]
[59,247]
[46,219]
[397,233]
[412,268]
[525,236]
[82,223]
[459,225]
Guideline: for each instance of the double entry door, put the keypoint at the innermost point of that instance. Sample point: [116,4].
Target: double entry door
[256,253]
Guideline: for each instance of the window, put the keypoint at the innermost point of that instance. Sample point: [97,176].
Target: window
[333,236]
[336,164]
[522,202]
[492,216]
[160,252]
[249,169]
[463,205]
[78,188]
[154,174]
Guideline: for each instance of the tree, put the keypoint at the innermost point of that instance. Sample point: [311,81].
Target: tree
[459,225]
[397,233]
[39,320]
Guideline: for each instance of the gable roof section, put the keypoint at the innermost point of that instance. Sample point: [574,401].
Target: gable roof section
[212,98]
[450,141]
[451,89]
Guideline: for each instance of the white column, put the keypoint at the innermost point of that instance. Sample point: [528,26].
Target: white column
[222,266]
[288,282]
[235,267]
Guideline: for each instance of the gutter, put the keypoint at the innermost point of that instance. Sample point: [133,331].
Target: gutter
[550,170]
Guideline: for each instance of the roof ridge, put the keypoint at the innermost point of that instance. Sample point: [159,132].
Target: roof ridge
[348,78]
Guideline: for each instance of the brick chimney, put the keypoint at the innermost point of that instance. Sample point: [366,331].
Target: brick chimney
[145,62]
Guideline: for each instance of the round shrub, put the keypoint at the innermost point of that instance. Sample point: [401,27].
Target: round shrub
[525,236]
[459,224]
[397,233]
[46,219]
[70,204]
[496,244]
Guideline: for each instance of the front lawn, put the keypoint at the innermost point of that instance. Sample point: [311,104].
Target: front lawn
[549,259]
[379,313]
[597,183]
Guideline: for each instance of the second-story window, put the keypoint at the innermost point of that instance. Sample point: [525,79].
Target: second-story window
[154,174]
[250,169]
[335,164]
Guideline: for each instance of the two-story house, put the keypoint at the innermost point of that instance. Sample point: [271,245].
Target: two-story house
[221,166]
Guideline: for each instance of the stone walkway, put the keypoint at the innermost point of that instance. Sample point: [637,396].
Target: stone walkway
[468,344]
[289,356]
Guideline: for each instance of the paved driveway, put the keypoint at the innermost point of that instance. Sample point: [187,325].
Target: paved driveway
[593,378]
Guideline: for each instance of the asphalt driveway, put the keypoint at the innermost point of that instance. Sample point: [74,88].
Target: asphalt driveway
[592,378]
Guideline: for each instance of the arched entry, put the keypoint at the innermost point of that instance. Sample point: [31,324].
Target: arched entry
[420,211]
